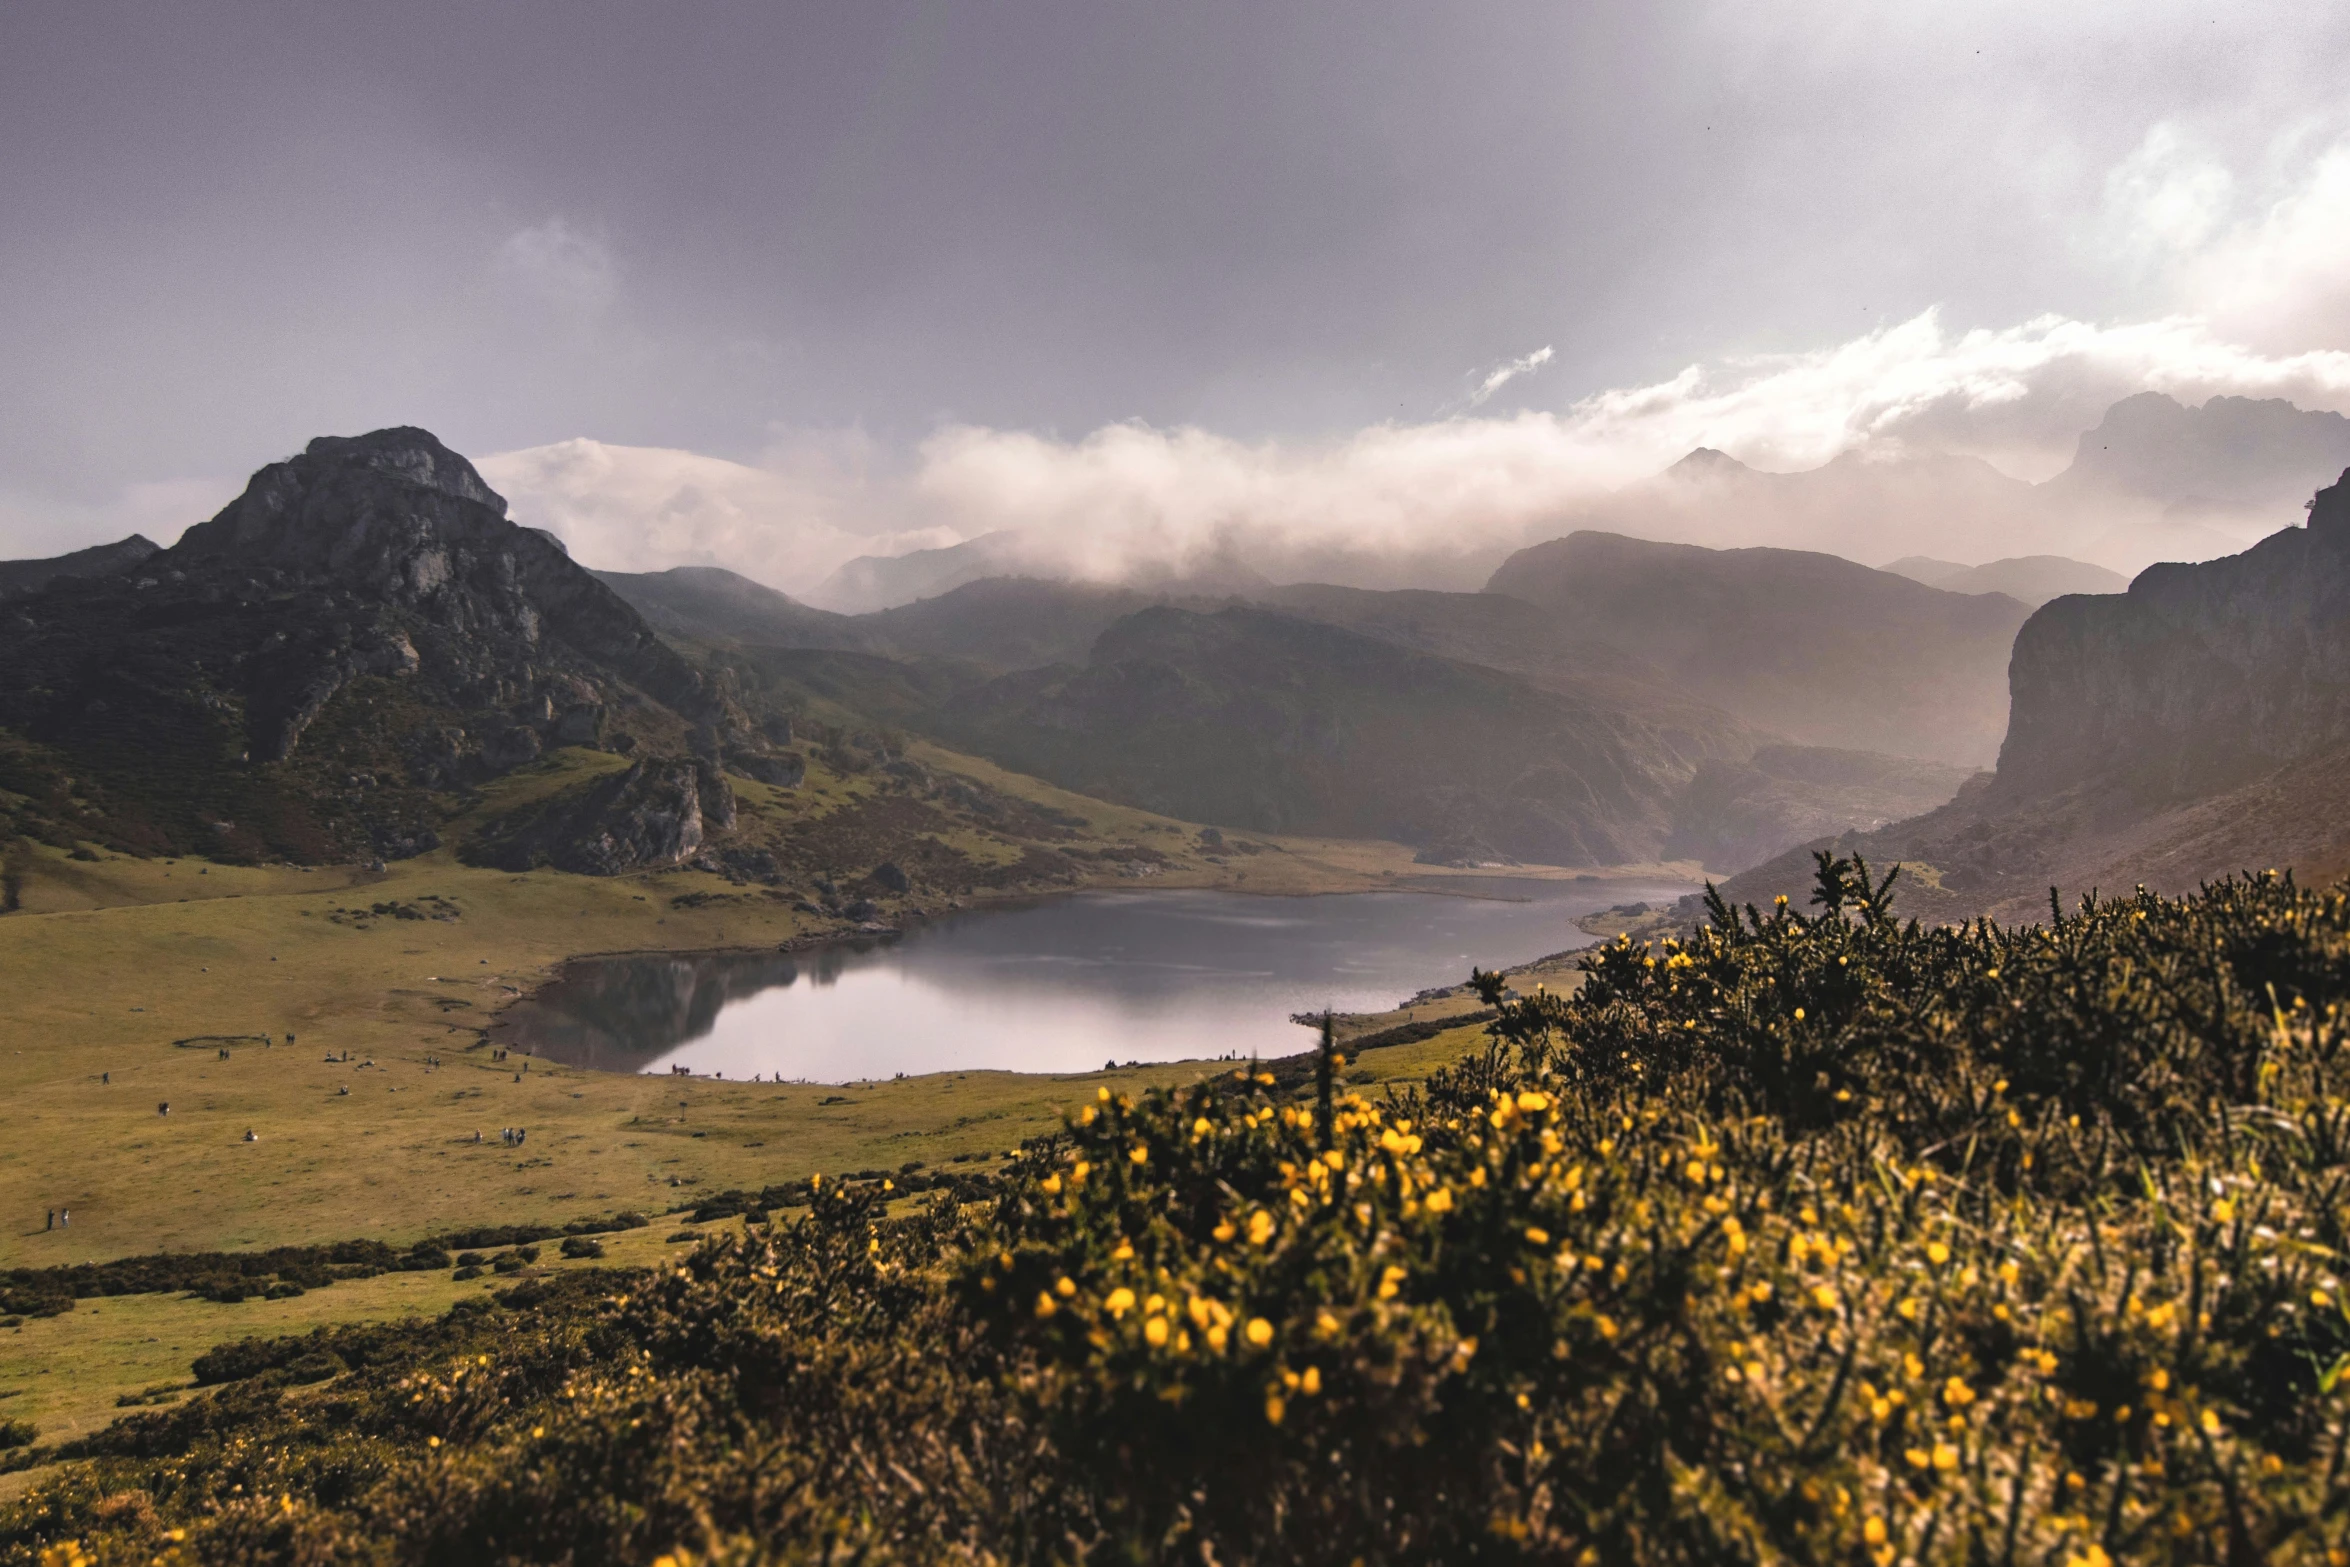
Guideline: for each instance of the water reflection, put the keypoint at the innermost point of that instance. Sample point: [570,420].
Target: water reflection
[1060,986]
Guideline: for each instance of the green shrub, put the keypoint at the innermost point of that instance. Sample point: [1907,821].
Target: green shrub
[581,1246]
[1811,1238]
[18,1433]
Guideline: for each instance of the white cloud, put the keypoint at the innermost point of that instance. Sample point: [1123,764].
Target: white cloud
[2251,256]
[1434,503]
[788,522]
[560,266]
[1503,374]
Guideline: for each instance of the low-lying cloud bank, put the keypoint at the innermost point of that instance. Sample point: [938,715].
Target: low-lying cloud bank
[2247,249]
[1435,503]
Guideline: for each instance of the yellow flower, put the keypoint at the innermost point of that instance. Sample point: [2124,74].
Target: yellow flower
[1154,1332]
[1873,1531]
[432,1441]
[1260,1332]
[1051,1184]
[1533,1099]
[1311,1382]
[1908,1308]
[1326,1325]
[1824,1297]
[1439,1201]
[1224,1231]
[1918,1458]
[1045,1304]
[1066,1287]
[1275,1409]
[2223,1212]
[1937,1253]
[1260,1227]
[1537,1235]
[1606,1326]
[1138,1155]
[2211,1422]
[1121,1301]
[1201,1127]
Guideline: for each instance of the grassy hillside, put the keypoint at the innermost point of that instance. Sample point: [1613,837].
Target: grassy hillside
[116,961]
[1819,1238]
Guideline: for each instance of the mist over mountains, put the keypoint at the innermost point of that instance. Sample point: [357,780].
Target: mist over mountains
[2150,479]
[364,635]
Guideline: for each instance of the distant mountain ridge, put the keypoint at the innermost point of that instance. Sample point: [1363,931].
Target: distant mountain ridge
[99,560]
[2031,580]
[1813,647]
[1256,719]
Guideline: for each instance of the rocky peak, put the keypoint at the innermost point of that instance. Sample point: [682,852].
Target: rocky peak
[365,610]
[409,453]
[2198,678]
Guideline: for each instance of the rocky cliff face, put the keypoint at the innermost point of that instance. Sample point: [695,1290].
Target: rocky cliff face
[2194,727]
[363,627]
[2199,678]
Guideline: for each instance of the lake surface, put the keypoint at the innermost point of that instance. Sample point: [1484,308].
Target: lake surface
[1057,986]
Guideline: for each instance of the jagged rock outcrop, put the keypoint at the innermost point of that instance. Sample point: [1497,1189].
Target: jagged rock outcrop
[657,813]
[297,677]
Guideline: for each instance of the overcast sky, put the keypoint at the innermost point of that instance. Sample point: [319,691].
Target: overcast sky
[827,241]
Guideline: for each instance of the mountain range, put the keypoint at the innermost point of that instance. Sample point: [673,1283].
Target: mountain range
[339,661]
[1328,710]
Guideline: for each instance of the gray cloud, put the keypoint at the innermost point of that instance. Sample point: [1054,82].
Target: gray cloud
[1276,230]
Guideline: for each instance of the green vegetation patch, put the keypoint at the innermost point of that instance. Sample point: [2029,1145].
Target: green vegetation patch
[1811,1238]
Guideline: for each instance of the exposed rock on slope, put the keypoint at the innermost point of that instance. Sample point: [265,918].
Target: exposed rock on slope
[361,627]
[652,814]
[1814,647]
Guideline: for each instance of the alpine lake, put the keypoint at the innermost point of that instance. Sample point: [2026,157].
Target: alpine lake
[1061,985]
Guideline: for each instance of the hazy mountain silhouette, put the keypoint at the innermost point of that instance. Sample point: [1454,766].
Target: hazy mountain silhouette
[99,560]
[2031,580]
[1815,648]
